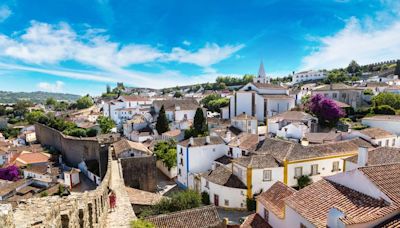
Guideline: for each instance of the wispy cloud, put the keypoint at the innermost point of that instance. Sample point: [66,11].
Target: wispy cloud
[56,87]
[359,40]
[186,43]
[5,12]
[45,47]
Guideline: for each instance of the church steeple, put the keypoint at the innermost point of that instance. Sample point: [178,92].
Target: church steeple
[261,77]
[261,71]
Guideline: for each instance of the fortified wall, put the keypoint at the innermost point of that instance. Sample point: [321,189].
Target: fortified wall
[88,209]
[140,172]
[74,149]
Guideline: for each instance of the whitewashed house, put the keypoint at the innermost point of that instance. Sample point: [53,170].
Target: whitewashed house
[71,178]
[389,123]
[245,123]
[377,136]
[196,155]
[309,75]
[260,99]
[125,148]
[138,122]
[125,107]
[371,157]
[177,111]
[292,124]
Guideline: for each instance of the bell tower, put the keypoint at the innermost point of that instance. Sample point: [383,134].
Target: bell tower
[261,76]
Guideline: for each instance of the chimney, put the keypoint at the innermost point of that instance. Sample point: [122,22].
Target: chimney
[208,141]
[228,136]
[191,141]
[362,156]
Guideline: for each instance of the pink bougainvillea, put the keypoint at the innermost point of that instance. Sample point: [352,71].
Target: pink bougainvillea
[9,173]
[325,109]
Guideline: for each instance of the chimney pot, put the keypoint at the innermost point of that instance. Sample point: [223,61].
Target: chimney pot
[191,141]
[208,141]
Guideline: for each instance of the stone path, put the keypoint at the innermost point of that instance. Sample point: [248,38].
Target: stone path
[123,214]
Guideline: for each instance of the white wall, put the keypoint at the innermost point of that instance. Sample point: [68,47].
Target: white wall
[272,219]
[388,125]
[200,159]
[293,219]
[170,173]
[235,196]
[258,182]
[324,168]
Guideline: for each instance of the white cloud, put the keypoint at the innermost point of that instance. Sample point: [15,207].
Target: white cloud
[186,43]
[209,55]
[361,41]
[45,47]
[5,12]
[56,87]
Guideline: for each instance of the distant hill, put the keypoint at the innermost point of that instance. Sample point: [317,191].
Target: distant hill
[36,97]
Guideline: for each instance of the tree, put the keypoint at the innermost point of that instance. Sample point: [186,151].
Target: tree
[162,124]
[178,94]
[199,122]
[166,152]
[34,116]
[140,223]
[303,181]
[179,201]
[106,124]
[108,89]
[214,102]
[51,101]
[385,98]
[335,76]
[2,110]
[84,102]
[353,67]
[21,107]
[397,69]
[76,132]
[325,109]
[368,92]
[61,106]
[305,99]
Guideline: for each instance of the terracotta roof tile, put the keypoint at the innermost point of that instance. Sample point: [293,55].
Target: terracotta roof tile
[224,176]
[257,161]
[380,156]
[255,221]
[376,133]
[244,141]
[273,198]
[201,141]
[292,116]
[198,217]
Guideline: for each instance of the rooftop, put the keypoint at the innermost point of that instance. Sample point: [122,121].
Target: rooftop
[292,116]
[255,221]
[244,141]
[244,116]
[376,133]
[380,156]
[171,105]
[383,117]
[224,176]
[257,161]
[126,145]
[273,198]
[200,217]
[201,141]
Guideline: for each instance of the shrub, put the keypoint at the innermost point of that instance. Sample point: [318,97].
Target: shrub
[368,92]
[44,194]
[383,110]
[303,181]
[140,223]
[205,198]
[91,132]
[251,204]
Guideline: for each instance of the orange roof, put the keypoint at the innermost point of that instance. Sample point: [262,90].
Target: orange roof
[26,158]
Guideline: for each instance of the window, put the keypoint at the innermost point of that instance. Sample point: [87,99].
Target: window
[387,142]
[267,175]
[393,142]
[380,143]
[226,202]
[314,169]
[243,153]
[207,185]
[343,95]
[181,151]
[230,152]
[335,166]
[179,172]
[298,172]
[334,95]
[181,161]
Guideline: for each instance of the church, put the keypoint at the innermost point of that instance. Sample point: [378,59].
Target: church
[260,98]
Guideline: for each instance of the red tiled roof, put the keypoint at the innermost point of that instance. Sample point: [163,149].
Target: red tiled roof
[273,198]
[255,221]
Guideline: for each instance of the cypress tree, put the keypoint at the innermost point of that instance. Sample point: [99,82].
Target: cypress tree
[162,122]
[199,123]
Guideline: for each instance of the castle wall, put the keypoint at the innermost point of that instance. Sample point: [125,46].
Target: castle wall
[140,172]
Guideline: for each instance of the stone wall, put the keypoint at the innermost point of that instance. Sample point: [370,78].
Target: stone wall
[74,149]
[88,209]
[140,172]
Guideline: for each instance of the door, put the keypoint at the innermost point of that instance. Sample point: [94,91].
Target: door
[216,200]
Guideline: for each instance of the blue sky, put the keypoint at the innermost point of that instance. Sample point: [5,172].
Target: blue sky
[79,46]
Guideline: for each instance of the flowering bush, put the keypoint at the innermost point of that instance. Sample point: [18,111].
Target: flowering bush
[10,173]
[325,109]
